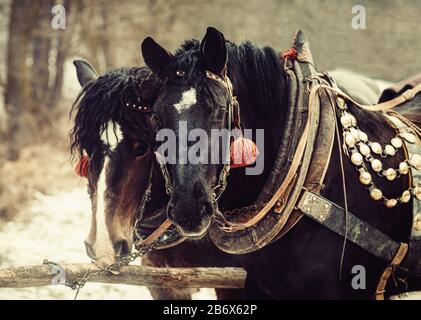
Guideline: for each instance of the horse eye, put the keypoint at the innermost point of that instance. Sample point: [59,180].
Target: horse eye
[180,73]
[140,149]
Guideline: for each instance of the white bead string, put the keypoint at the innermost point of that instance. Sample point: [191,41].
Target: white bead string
[358,147]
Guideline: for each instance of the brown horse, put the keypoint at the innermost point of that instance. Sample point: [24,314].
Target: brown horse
[118,140]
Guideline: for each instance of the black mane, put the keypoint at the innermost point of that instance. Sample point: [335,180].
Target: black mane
[104,99]
[248,64]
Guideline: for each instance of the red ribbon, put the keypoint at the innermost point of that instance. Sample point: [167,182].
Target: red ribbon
[289,54]
[82,166]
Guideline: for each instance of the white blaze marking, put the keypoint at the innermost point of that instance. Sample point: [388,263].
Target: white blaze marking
[188,98]
[112,135]
[103,246]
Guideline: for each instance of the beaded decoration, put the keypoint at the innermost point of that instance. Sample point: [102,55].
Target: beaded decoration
[360,149]
[138,106]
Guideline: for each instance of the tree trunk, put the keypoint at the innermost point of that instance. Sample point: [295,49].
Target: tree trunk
[105,39]
[62,42]
[42,45]
[18,87]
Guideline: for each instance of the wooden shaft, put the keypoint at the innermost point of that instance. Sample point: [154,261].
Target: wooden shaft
[44,275]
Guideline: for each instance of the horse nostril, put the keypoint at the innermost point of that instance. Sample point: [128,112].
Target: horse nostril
[206,209]
[121,248]
[90,251]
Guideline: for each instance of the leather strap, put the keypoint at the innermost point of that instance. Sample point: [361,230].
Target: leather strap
[157,233]
[359,232]
[381,285]
[284,187]
[268,225]
[320,161]
[385,106]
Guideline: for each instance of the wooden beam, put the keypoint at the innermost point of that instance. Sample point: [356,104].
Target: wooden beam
[42,275]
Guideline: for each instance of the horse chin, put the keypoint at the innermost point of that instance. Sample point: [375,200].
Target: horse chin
[122,248]
[196,234]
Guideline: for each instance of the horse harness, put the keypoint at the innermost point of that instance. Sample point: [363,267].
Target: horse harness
[312,119]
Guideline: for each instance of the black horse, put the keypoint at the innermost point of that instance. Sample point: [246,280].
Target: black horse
[306,262]
[118,169]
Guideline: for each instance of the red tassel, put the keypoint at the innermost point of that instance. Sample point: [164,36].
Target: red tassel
[82,166]
[243,152]
[289,54]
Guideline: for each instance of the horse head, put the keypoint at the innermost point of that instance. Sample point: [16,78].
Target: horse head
[113,130]
[193,102]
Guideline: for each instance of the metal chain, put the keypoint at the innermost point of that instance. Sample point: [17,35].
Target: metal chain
[79,283]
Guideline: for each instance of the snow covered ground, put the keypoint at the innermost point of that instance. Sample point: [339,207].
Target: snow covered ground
[54,227]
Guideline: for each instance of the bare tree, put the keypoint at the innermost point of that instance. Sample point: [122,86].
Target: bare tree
[18,87]
[42,45]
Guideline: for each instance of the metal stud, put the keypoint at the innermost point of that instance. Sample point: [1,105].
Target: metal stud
[396,142]
[364,149]
[350,140]
[376,148]
[391,203]
[376,165]
[365,178]
[390,174]
[403,168]
[389,150]
[346,120]
[341,103]
[363,136]
[406,196]
[355,133]
[376,194]
[357,158]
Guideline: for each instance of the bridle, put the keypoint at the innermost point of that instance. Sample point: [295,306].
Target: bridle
[232,121]
[165,234]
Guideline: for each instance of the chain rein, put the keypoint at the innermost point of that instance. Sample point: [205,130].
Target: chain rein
[79,283]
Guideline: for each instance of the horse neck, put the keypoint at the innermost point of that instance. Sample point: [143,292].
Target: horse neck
[259,82]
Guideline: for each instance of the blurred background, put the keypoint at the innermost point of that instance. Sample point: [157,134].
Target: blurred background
[41,199]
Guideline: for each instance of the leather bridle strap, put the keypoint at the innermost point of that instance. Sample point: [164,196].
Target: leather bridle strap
[381,285]
[156,234]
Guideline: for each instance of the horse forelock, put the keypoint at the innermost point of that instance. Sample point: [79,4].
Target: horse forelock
[102,105]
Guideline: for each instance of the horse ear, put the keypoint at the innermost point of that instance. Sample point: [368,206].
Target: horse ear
[214,50]
[85,72]
[155,56]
